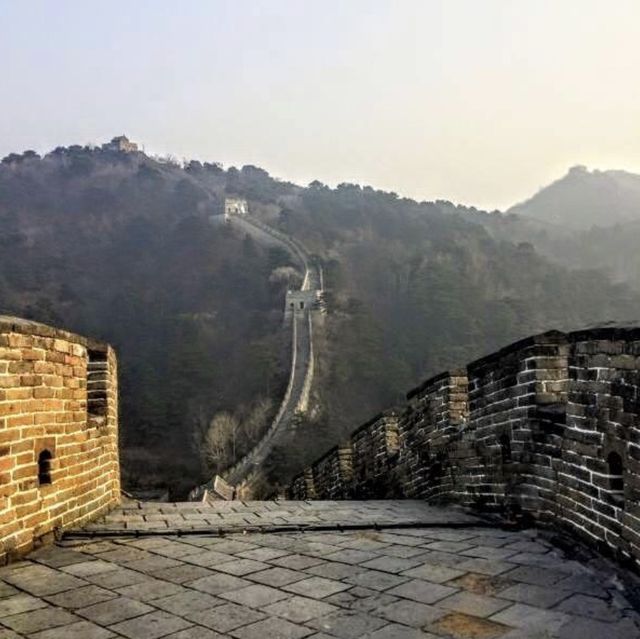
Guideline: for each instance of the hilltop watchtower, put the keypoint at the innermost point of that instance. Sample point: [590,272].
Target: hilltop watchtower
[120,144]
[235,206]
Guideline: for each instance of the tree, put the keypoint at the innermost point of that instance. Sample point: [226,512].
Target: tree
[219,446]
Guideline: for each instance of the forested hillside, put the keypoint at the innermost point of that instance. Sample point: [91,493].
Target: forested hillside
[127,248]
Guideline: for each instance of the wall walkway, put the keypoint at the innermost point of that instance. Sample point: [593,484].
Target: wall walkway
[298,318]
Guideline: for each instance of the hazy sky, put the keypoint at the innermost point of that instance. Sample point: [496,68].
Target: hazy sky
[475,101]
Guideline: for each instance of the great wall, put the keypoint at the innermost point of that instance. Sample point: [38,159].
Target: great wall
[300,307]
[445,519]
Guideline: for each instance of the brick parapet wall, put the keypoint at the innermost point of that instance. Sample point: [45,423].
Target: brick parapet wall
[375,447]
[44,410]
[436,414]
[602,420]
[546,428]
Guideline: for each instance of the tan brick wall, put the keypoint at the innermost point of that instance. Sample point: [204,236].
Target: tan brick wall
[43,406]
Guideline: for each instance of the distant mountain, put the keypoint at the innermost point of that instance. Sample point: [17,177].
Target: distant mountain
[583,198]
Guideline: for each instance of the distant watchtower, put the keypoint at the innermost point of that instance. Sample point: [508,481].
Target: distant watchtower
[235,206]
[120,144]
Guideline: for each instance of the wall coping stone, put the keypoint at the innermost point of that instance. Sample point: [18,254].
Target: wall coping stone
[456,372]
[11,324]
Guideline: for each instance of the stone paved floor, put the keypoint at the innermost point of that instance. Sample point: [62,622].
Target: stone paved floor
[463,581]
[231,516]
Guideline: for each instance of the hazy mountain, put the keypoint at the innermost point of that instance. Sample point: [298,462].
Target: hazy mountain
[127,248]
[583,198]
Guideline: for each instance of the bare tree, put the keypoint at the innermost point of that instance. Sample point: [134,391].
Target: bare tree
[219,445]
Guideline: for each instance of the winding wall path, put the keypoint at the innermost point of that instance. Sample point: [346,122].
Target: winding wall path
[302,360]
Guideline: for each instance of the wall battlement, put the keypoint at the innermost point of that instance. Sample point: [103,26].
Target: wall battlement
[546,429]
[58,433]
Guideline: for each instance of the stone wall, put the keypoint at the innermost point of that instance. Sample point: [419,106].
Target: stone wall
[546,429]
[58,433]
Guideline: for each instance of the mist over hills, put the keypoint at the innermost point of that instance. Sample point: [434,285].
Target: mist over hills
[582,199]
[129,248]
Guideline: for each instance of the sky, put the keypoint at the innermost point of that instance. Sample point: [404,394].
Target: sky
[480,102]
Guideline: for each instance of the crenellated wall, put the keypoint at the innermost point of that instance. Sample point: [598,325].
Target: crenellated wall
[547,429]
[58,432]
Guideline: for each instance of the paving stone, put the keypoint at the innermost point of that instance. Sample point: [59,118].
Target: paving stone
[536,575]
[187,601]
[241,567]
[315,549]
[81,597]
[472,604]
[444,558]
[56,557]
[458,625]
[523,616]
[375,579]
[348,625]
[181,574]
[226,617]
[6,590]
[16,604]
[262,554]
[117,578]
[207,558]
[484,566]
[153,564]
[448,546]
[372,602]
[41,580]
[124,554]
[585,606]
[217,583]
[231,547]
[90,567]
[481,584]
[114,610]
[432,572]
[5,633]
[79,630]
[278,576]
[489,552]
[41,619]
[528,546]
[331,570]
[401,540]
[273,629]
[422,591]
[366,541]
[299,609]
[445,534]
[540,596]
[177,550]
[297,562]
[391,564]
[150,590]
[403,551]
[255,596]
[316,587]
[151,626]
[350,556]
[409,613]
